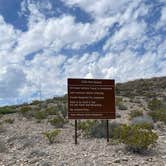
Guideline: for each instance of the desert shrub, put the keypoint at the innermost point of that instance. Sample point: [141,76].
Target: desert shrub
[98,130]
[135,113]
[135,138]
[39,115]
[154,104]
[118,100]
[158,115]
[121,106]
[160,125]
[51,111]
[86,125]
[9,120]
[35,102]
[51,135]
[57,121]
[144,122]
[7,110]
[62,108]
[25,109]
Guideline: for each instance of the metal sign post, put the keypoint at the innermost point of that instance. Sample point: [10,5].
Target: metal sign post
[107,128]
[91,99]
[75,132]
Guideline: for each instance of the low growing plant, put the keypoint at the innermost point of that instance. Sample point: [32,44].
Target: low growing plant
[97,129]
[51,135]
[154,104]
[86,126]
[7,110]
[57,121]
[158,115]
[25,109]
[9,120]
[145,122]
[135,138]
[121,106]
[40,115]
[135,113]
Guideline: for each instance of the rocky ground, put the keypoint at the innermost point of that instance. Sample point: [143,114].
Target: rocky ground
[22,144]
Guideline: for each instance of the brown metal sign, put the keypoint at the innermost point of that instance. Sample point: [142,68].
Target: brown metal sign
[91,99]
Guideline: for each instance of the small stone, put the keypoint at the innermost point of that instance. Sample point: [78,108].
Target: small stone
[117,161]
[124,159]
[163,157]
[149,159]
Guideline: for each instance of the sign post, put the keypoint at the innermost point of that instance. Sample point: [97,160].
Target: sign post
[75,131]
[91,99]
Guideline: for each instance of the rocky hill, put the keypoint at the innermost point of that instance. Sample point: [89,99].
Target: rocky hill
[39,133]
[149,88]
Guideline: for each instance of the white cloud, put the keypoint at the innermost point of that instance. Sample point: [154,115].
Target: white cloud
[100,8]
[162,21]
[8,35]
[11,81]
[57,33]
[129,32]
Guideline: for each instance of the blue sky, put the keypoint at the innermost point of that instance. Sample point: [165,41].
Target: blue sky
[43,42]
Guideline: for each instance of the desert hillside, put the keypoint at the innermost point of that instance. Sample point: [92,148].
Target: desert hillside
[39,133]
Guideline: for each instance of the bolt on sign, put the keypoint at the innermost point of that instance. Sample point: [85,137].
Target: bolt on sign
[91,99]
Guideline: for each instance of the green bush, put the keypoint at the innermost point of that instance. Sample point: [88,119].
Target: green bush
[57,121]
[158,115]
[51,111]
[144,122]
[121,106]
[118,100]
[135,113]
[51,135]
[85,126]
[25,109]
[62,108]
[135,138]
[7,110]
[97,129]
[9,120]
[154,104]
[35,102]
[39,115]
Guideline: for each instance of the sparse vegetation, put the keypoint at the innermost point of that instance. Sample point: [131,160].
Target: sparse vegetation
[86,126]
[135,138]
[51,135]
[121,106]
[57,121]
[154,104]
[97,129]
[25,109]
[9,120]
[35,102]
[118,100]
[135,113]
[40,115]
[144,122]
[7,110]
[51,111]
[158,115]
